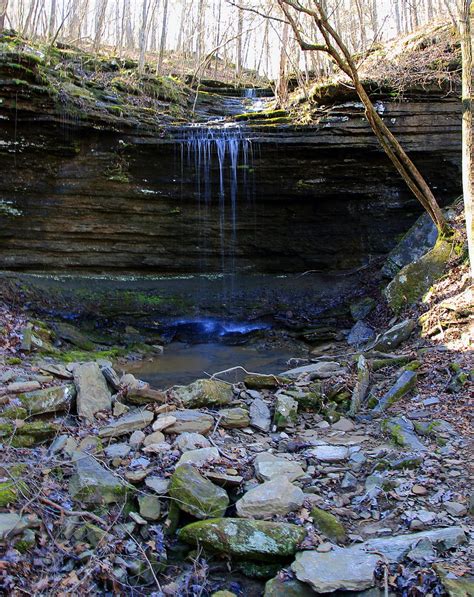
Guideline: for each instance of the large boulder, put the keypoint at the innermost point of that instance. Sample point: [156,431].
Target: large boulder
[204,392]
[196,495]
[272,498]
[93,395]
[415,279]
[421,237]
[93,484]
[352,568]
[137,419]
[249,539]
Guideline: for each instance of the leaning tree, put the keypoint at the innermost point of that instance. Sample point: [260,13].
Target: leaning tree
[334,45]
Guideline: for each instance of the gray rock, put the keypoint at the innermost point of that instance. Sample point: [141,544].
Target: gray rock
[93,394]
[276,497]
[417,241]
[17,387]
[234,418]
[455,508]
[137,438]
[191,441]
[402,432]
[279,587]
[343,424]
[360,334]
[352,568]
[362,386]
[267,467]
[404,384]
[11,524]
[154,438]
[349,481]
[158,484]
[190,421]
[150,507]
[117,450]
[196,495]
[249,539]
[204,392]
[260,417]
[393,337]
[199,457]
[361,308]
[321,370]
[56,369]
[132,421]
[286,411]
[49,400]
[93,484]
[328,453]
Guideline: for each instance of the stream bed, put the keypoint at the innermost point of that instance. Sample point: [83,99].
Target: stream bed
[183,363]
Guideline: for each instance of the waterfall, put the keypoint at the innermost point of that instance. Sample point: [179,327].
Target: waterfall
[221,159]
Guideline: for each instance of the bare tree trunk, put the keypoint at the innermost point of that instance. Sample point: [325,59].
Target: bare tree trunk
[337,49]
[465,28]
[240,30]
[143,37]
[127,25]
[101,10]
[398,16]
[164,28]
[3,13]
[52,19]
[282,85]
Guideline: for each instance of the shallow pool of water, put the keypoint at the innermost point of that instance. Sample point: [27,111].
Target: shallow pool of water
[183,363]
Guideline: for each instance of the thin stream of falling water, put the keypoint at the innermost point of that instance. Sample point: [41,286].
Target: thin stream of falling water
[227,150]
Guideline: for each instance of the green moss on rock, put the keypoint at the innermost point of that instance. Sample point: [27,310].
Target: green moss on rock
[415,279]
[248,539]
[328,524]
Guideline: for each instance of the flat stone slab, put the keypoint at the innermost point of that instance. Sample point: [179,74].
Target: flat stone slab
[190,421]
[199,457]
[93,395]
[11,524]
[267,467]
[329,453]
[352,568]
[132,421]
[322,370]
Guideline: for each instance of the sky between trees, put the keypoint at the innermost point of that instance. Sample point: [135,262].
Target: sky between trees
[196,28]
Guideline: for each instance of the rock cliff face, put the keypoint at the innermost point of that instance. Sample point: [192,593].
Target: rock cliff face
[322,197]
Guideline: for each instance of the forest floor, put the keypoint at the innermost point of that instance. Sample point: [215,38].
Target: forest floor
[67,528]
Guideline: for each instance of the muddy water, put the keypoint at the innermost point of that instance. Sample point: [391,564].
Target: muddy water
[183,363]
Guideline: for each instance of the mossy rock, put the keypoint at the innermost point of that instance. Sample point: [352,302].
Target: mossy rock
[277,587]
[248,539]
[415,279]
[196,495]
[257,570]
[14,487]
[264,115]
[329,525]
[28,434]
[264,382]
[204,392]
